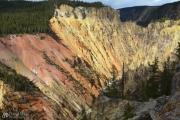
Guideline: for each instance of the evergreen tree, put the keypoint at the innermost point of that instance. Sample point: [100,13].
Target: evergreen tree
[166,78]
[122,82]
[112,90]
[152,89]
[19,16]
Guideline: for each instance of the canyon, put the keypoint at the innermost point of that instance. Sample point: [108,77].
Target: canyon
[105,41]
[71,65]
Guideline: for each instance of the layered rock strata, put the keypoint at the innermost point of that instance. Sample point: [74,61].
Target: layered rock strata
[98,36]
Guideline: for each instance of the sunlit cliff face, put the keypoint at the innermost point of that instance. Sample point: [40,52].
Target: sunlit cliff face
[97,36]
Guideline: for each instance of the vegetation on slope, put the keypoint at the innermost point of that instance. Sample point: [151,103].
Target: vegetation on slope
[143,15]
[16,81]
[18,16]
[158,83]
[155,83]
[22,96]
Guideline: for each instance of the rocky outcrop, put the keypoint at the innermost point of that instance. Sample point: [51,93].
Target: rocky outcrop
[114,108]
[160,102]
[175,83]
[171,110]
[168,107]
[162,108]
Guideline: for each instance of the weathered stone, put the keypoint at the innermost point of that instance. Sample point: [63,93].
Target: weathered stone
[160,102]
[145,115]
[177,68]
[171,110]
[114,108]
[175,83]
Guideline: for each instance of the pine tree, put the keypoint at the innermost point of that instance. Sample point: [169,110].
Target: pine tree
[113,90]
[166,78]
[153,81]
[122,83]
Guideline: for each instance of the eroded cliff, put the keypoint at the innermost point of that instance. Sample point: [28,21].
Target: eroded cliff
[51,67]
[98,36]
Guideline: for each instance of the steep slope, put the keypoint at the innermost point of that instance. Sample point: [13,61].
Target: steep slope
[102,40]
[139,14]
[49,65]
[84,32]
[143,15]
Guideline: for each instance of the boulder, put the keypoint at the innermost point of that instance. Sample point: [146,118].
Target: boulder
[171,110]
[160,102]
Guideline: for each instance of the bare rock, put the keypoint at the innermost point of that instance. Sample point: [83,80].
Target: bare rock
[160,102]
[143,116]
[175,83]
[98,36]
[171,110]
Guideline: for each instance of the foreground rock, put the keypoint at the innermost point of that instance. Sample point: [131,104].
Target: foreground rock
[113,109]
[171,110]
[162,108]
[175,83]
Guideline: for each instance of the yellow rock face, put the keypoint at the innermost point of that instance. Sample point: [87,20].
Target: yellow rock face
[98,36]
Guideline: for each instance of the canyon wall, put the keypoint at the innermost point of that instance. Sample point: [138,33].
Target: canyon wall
[98,36]
[49,65]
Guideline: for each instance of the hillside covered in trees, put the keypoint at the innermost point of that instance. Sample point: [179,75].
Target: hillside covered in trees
[18,16]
